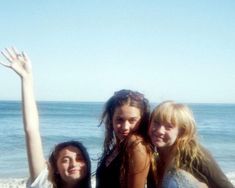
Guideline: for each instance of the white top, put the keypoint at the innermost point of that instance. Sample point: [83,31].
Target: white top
[180,179]
[41,181]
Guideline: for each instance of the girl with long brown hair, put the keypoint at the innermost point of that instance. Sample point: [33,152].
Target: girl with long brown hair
[69,164]
[125,161]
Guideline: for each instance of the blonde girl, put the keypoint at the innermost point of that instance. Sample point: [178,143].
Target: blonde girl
[181,158]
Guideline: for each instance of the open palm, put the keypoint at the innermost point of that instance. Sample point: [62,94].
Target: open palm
[19,62]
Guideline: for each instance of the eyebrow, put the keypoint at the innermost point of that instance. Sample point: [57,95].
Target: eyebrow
[77,154]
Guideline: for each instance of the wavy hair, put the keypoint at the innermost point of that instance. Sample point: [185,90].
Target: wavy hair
[186,152]
[120,98]
[55,177]
[134,99]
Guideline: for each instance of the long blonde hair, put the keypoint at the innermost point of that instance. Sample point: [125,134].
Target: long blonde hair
[186,152]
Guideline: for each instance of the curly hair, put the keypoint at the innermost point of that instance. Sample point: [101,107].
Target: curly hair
[55,178]
[120,98]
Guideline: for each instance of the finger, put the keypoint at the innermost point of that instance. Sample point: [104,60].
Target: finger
[25,56]
[15,51]
[4,64]
[6,56]
[10,53]
[27,60]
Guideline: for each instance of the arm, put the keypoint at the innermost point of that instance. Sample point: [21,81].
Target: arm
[213,173]
[138,162]
[21,64]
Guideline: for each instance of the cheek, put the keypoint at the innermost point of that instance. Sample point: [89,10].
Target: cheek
[115,124]
[134,127]
[61,167]
[175,135]
[115,127]
[84,168]
[152,130]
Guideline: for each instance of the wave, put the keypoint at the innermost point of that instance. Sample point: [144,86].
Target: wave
[231,177]
[21,182]
[13,183]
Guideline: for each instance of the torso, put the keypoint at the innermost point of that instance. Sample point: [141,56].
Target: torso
[108,173]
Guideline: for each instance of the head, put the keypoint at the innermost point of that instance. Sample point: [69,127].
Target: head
[172,125]
[70,165]
[124,113]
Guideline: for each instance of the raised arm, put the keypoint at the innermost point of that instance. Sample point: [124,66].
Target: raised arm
[20,63]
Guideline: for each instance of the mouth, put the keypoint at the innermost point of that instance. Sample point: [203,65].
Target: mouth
[124,133]
[157,139]
[73,171]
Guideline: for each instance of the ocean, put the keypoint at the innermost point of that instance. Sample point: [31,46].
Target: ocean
[62,121]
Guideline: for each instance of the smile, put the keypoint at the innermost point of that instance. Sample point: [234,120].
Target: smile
[124,133]
[74,170]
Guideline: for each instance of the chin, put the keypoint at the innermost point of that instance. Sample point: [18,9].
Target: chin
[75,177]
[159,144]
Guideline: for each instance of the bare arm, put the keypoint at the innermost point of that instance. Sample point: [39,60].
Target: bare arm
[139,162]
[20,63]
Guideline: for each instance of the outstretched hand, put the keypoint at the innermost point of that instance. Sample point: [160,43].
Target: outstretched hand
[19,62]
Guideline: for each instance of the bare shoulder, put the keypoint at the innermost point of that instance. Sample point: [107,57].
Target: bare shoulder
[136,144]
[138,155]
[135,141]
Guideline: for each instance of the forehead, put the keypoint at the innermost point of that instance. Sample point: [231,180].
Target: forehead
[69,151]
[127,111]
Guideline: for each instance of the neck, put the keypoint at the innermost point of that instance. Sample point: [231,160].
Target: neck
[71,185]
[164,154]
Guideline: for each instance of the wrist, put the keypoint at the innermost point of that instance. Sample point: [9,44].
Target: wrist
[27,77]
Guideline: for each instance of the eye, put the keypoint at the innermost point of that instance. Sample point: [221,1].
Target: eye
[118,120]
[79,158]
[133,120]
[64,160]
[169,126]
[156,123]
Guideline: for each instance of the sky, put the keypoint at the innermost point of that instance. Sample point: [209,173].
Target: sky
[180,50]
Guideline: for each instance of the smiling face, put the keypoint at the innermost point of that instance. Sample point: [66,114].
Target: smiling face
[163,135]
[126,119]
[71,165]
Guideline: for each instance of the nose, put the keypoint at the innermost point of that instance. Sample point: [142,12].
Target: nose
[125,125]
[73,162]
[160,129]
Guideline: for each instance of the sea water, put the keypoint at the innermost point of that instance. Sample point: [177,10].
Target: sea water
[62,121]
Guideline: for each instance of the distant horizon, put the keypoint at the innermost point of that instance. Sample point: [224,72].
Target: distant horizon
[70,101]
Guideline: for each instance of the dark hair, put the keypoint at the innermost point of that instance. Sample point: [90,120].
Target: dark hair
[55,177]
[120,98]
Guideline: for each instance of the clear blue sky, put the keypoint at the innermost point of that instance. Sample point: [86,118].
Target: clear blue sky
[85,50]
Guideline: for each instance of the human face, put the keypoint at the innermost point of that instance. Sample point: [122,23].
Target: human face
[126,119]
[71,165]
[163,135]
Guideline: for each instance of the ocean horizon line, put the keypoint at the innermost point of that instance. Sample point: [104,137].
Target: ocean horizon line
[102,102]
